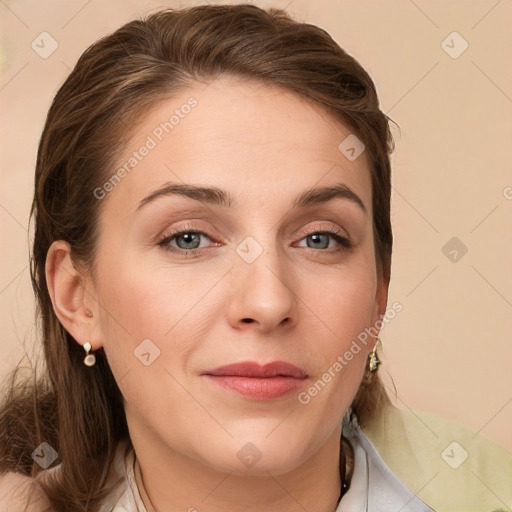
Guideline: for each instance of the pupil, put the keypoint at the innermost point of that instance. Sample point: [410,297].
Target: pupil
[316,239]
[188,237]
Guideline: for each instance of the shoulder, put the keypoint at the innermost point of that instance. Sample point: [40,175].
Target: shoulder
[450,466]
[20,493]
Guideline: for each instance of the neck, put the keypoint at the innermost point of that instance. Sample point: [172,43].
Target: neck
[171,482]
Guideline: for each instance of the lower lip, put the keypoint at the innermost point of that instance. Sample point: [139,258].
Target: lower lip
[267,388]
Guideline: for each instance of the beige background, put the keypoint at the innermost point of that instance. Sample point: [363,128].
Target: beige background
[450,350]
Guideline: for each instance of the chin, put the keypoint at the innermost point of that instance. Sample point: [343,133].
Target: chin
[257,455]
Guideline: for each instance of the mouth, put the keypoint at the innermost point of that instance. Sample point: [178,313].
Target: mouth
[258,382]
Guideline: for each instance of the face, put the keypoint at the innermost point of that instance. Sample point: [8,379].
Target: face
[246,275]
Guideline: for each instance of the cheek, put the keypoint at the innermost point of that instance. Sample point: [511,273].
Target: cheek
[168,306]
[342,299]
[148,300]
[339,349]
[342,307]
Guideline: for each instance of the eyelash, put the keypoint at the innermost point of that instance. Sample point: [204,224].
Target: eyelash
[344,242]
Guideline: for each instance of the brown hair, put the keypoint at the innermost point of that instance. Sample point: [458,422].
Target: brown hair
[79,410]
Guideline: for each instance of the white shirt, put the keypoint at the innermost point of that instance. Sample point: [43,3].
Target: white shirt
[374,487]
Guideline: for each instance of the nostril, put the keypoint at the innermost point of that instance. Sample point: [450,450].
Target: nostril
[247,320]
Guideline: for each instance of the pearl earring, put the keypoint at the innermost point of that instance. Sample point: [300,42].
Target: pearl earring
[90,359]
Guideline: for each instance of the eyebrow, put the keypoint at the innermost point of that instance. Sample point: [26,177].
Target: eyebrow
[218,197]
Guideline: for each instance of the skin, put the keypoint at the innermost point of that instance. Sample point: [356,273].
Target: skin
[306,303]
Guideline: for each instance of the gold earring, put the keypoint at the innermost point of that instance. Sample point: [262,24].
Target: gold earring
[90,359]
[374,360]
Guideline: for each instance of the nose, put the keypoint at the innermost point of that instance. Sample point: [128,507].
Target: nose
[262,293]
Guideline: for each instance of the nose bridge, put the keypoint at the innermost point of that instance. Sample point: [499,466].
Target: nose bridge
[262,281]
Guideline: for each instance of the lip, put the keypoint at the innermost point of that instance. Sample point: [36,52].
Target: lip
[259,382]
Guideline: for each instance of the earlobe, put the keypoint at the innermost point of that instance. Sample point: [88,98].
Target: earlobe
[67,290]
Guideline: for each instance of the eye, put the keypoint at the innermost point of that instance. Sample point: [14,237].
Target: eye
[320,239]
[187,240]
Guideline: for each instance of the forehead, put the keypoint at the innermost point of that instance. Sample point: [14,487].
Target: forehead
[260,142]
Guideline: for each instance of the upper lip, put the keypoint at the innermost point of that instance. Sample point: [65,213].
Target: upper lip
[253,369]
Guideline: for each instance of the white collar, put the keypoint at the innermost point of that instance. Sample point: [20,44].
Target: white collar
[374,487]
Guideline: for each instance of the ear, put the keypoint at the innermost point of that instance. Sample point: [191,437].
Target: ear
[72,295]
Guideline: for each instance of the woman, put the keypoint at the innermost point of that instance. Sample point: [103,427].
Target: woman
[211,261]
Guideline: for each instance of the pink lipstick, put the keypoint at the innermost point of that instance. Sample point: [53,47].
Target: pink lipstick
[259,382]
